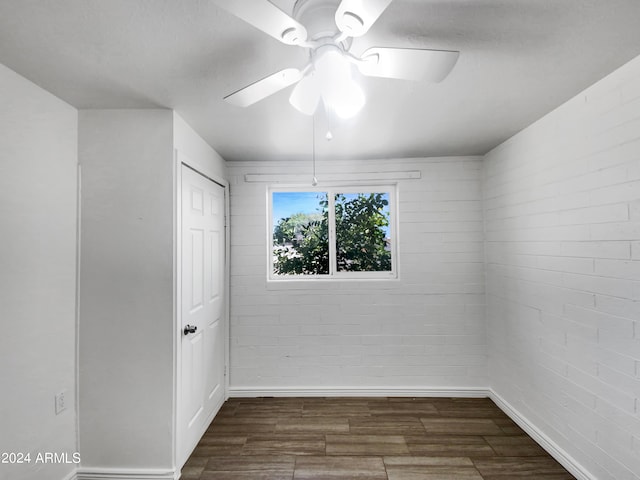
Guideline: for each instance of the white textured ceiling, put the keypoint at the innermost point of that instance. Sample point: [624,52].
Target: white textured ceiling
[519,60]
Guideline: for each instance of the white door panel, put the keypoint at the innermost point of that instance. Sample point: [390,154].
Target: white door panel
[214,380]
[215,292]
[202,307]
[195,257]
[195,391]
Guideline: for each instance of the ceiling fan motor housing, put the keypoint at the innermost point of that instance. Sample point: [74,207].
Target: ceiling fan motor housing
[318,16]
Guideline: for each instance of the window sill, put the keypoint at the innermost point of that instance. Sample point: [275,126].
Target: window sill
[326,283]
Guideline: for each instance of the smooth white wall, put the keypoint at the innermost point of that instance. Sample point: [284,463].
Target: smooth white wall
[562,209]
[424,331]
[127,294]
[199,153]
[38,210]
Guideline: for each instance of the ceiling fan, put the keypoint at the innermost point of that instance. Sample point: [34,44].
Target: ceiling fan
[326,28]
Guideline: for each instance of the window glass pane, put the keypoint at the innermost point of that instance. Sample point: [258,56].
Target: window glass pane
[363,241]
[300,233]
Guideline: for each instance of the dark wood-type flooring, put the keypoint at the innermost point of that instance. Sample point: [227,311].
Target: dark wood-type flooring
[367,438]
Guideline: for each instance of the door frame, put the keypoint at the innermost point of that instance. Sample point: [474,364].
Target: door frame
[181,159]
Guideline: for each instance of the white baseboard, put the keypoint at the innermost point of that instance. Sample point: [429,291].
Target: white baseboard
[73,475]
[254,392]
[125,474]
[566,460]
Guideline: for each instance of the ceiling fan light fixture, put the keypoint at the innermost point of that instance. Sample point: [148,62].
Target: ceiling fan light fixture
[350,102]
[339,91]
[331,81]
[306,95]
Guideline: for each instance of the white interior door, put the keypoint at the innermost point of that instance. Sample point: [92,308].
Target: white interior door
[202,356]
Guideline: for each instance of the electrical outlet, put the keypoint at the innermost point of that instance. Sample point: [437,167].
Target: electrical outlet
[61,402]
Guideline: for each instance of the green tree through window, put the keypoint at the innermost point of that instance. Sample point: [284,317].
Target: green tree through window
[362,229]
[303,245]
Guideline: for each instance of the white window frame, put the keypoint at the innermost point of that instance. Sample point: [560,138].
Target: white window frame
[331,191]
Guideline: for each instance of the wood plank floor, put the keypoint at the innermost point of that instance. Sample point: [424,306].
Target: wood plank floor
[367,438]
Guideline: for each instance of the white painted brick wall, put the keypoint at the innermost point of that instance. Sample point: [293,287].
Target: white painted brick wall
[425,330]
[562,216]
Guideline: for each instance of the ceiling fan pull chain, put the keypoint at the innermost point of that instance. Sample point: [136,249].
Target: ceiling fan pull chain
[314,182]
[329,135]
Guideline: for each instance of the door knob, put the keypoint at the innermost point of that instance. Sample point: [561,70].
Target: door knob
[190,329]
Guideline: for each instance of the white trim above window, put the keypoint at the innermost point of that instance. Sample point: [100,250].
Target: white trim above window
[336,178]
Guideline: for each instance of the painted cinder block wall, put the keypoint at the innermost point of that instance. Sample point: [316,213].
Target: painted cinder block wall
[420,332]
[562,212]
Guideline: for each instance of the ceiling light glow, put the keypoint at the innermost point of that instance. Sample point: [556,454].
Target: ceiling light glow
[331,80]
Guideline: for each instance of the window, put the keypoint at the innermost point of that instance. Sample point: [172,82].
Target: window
[336,232]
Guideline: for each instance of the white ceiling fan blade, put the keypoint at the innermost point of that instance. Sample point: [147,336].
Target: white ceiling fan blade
[355,17]
[265,16]
[408,63]
[263,88]
[306,95]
